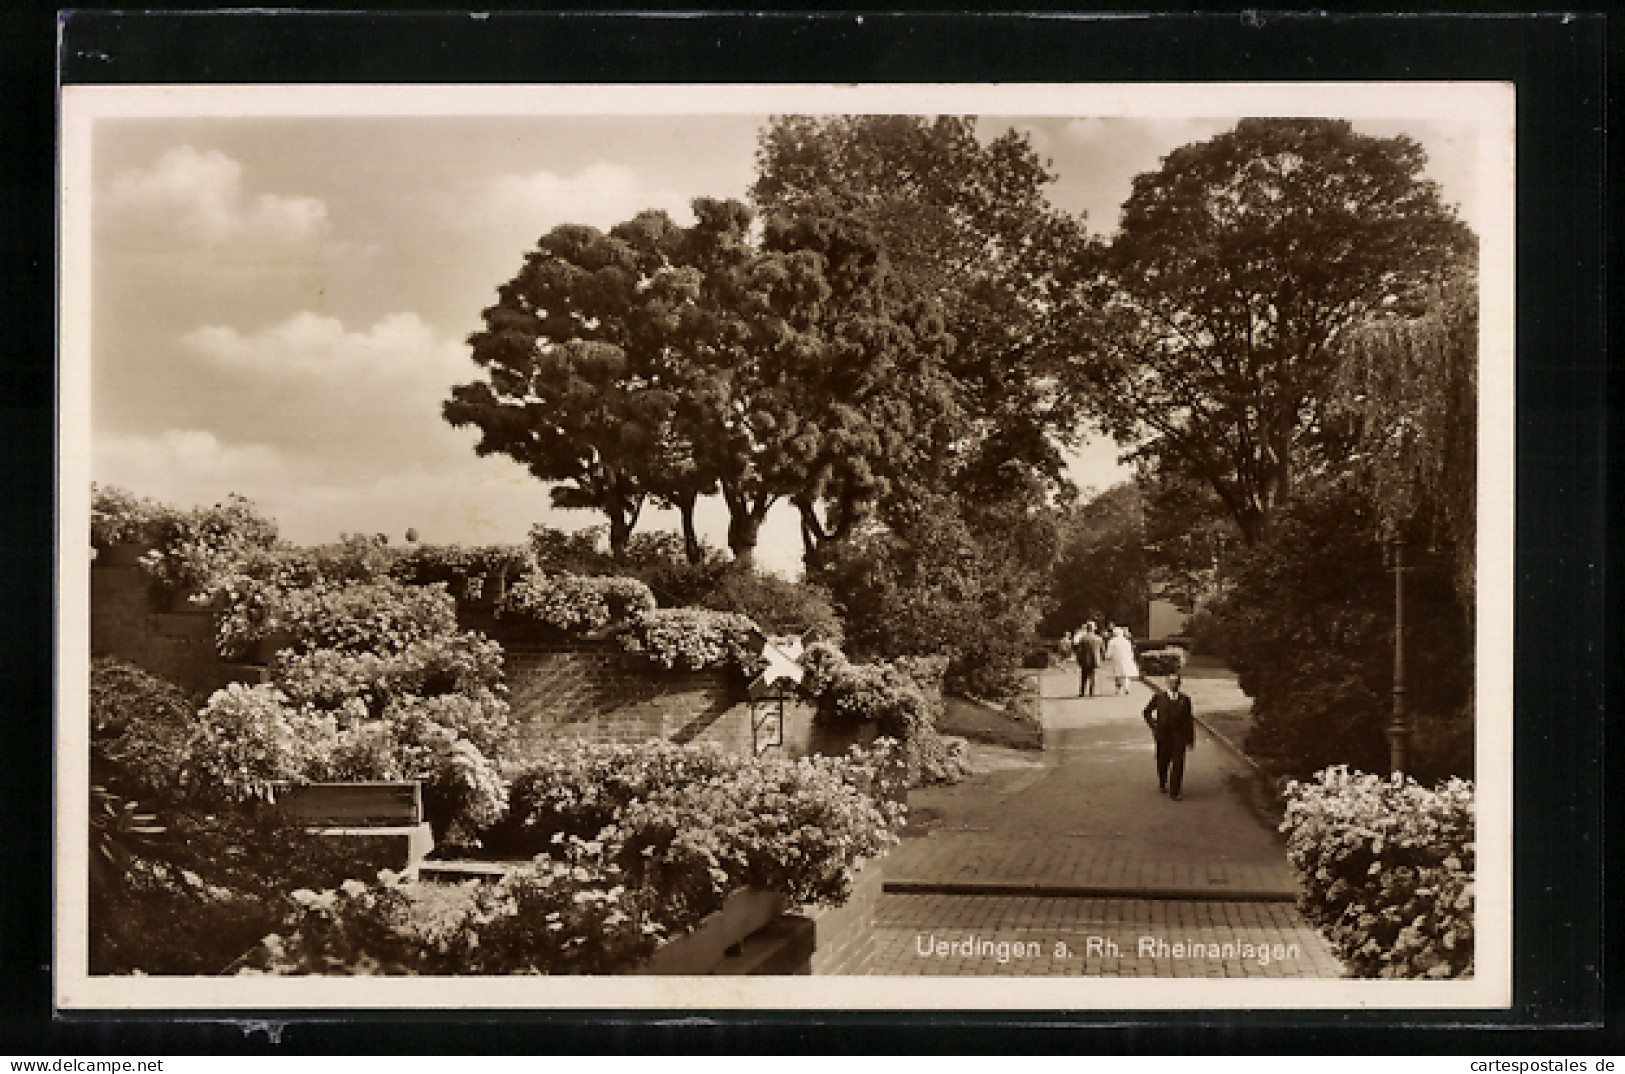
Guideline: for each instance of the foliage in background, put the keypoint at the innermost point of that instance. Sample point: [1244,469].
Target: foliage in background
[1387,871]
[1308,628]
[943,581]
[778,606]
[1101,571]
[1212,316]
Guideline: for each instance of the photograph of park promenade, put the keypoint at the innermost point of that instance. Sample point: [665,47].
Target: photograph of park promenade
[1003,543]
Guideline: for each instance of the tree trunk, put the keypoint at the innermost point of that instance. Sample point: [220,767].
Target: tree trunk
[691,536]
[620,534]
[812,534]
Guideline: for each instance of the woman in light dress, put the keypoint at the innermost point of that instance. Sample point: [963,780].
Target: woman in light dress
[1120,658]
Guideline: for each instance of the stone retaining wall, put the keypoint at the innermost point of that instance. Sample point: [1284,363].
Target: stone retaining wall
[556,689]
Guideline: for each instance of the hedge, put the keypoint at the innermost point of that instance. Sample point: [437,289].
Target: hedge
[1386,867]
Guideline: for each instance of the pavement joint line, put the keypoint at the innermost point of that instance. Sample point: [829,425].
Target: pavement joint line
[1055,890]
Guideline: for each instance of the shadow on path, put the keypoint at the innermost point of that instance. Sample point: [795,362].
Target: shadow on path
[1085,818]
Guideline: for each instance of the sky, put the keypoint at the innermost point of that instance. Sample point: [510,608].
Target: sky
[279,304]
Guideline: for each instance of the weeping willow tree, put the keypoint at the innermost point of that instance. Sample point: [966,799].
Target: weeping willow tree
[1411,386]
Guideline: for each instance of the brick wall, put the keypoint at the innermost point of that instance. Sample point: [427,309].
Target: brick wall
[844,935]
[582,689]
[596,690]
[126,622]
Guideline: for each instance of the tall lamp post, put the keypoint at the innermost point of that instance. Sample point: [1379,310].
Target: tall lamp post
[1399,727]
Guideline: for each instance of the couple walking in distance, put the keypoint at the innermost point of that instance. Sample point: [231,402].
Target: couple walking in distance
[1094,653]
[1168,713]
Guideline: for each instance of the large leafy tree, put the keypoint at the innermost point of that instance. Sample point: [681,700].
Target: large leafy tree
[1410,384]
[567,392]
[661,362]
[1212,321]
[803,379]
[1101,570]
[965,224]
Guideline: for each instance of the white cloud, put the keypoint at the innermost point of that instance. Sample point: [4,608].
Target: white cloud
[184,466]
[198,197]
[601,195]
[400,351]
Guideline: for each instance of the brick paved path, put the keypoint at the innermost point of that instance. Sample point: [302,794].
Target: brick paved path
[1077,842]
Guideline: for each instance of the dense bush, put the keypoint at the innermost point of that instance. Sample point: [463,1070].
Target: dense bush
[778,606]
[692,639]
[1308,627]
[902,697]
[196,897]
[140,727]
[1160,662]
[574,604]
[703,820]
[945,578]
[320,595]
[469,572]
[670,831]
[1387,871]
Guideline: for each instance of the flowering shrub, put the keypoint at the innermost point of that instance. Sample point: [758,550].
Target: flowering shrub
[673,829]
[575,604]
[383,617]
[696,822]
[249,737]
[903,697]
[468,664]
[692,639]
[469,573]
[118,516]
[1387,871]
[191,548]
[575,916]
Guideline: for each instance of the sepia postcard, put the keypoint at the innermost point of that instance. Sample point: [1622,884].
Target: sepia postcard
[893,547]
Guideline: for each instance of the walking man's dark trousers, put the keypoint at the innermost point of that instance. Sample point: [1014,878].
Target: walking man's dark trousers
[1174,726]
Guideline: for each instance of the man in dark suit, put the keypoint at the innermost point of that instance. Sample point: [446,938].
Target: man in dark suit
[1090,654]
[1172,722]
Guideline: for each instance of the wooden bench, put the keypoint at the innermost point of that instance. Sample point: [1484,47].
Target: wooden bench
[376,810]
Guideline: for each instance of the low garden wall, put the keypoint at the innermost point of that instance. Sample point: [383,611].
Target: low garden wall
[580,689]
[178,645]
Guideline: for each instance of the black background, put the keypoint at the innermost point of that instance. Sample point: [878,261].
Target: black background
[1566,625]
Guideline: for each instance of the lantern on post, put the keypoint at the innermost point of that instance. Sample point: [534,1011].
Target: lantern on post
[1399,727]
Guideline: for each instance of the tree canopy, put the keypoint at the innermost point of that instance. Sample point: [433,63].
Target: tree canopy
[965,224]
[1210,323]
[666,362]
